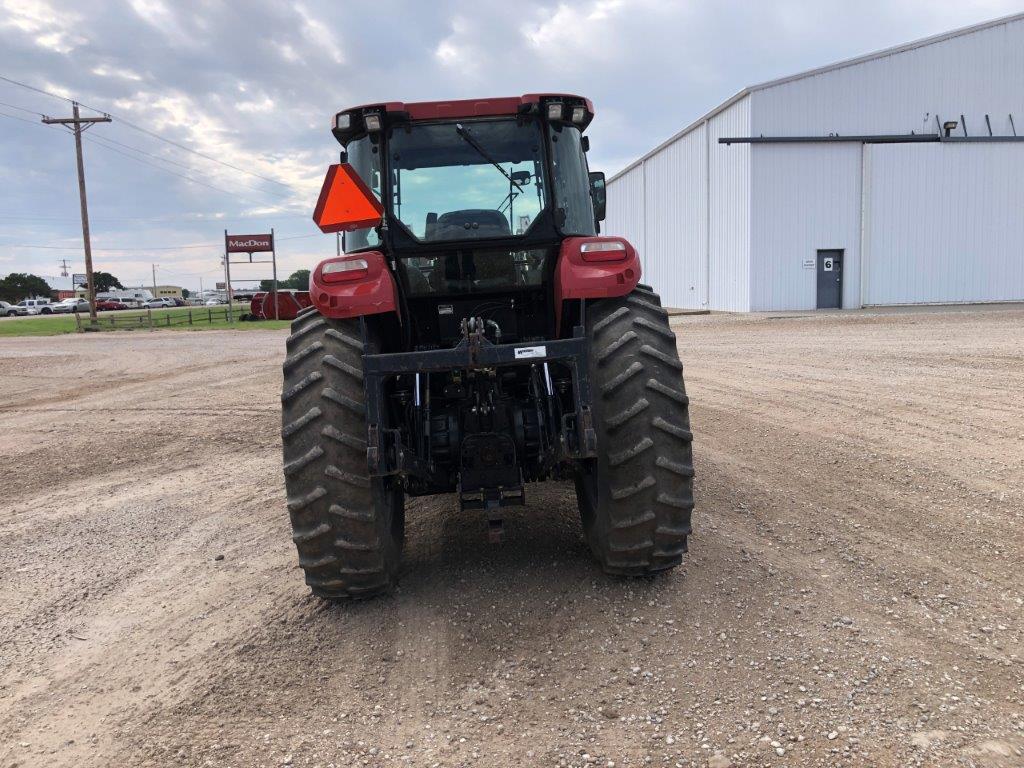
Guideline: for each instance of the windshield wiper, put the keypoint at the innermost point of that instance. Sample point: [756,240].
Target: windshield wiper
[484,154]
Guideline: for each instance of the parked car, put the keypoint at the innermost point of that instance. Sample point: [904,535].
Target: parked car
[214,302]
[71,305]
[179,302]
[10,310]
[159,303]
[36,306]
[110,305]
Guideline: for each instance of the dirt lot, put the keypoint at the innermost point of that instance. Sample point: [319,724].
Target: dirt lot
[854,594]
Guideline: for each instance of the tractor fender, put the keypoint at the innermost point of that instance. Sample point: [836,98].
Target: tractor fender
[356,292]
[597,275]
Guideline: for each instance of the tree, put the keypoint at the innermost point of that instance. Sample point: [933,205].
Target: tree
[21,285]
[299,280]
[104,281]
[185,293]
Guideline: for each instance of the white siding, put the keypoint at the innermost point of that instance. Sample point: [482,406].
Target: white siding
[974,74]
[625,209]
[945,223]
[675,259]
[687,209]
[729,201]
[805,197]
[728,227]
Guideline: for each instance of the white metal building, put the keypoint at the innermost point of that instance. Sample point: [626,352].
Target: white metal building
[843,189]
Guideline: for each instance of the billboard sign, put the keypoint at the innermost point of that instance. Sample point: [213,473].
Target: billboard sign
[250,243]
[79,280]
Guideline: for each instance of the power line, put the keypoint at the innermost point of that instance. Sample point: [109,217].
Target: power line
[100,142]
[172,162]
[201,154]
[105,141]
[22,119]
[197,218]
[21,109]
[147,132]
[141,249]
[39,90]
[92,140]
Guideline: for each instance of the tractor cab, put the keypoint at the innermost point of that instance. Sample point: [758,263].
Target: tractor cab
[475,199]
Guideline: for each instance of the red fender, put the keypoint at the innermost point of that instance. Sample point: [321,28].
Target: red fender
[609,267]
[353,285]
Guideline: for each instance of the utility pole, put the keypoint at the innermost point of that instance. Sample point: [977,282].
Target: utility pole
[64,268]
[154,279]
[77,125]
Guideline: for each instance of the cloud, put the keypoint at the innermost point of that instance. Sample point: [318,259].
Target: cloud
[460,52]
[254,84]
[317,33]
[103,70]
[40,22]
[585,29]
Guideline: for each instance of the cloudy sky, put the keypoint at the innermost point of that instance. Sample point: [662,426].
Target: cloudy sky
[254,84]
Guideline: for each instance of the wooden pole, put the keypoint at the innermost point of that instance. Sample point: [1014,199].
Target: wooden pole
[77,121]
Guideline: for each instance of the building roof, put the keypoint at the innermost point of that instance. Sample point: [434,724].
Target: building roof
[903,48]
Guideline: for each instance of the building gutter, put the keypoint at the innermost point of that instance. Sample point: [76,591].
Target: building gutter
[882,138]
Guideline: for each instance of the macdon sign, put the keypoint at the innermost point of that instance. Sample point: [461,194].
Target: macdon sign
[250,243]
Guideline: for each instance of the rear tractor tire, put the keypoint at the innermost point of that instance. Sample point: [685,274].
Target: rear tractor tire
[347,527]
[636,498]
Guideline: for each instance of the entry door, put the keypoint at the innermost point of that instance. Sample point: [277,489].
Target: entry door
[830,279]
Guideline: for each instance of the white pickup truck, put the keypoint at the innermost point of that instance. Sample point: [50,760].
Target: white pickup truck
[37,306]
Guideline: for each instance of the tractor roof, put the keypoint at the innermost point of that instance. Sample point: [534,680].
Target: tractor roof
[466,108]
[372,117]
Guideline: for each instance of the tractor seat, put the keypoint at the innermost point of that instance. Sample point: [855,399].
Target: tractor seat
[481,222]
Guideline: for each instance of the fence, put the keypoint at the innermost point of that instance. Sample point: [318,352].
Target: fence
[168,319]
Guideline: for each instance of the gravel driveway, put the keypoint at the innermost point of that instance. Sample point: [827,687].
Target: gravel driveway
[854,593]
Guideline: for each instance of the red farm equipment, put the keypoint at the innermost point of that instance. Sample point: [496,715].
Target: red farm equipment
[478,335]
[289,304]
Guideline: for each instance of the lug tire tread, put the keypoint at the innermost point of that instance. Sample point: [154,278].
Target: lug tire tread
[346,527]
[636,499]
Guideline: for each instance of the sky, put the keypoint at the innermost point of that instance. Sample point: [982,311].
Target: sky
[255,84]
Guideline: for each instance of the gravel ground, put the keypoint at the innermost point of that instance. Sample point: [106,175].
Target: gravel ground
[854,593]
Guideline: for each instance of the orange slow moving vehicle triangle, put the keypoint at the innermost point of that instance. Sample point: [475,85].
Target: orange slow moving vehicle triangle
[345,202]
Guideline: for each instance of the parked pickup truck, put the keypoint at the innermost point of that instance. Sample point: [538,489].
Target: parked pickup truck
[36,306]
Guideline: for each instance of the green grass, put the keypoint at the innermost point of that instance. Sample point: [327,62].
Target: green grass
[54,325]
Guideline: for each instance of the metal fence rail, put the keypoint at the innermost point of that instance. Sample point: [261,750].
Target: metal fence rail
[115,321]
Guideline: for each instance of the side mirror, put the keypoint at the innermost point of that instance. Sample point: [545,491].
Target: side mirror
[597,194]
[522,178]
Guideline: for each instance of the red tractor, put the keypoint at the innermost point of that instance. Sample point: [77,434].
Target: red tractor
[478,335]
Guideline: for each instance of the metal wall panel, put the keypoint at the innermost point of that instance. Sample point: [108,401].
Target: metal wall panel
[675,259]
[806,197]
[729,208]
[944,223]
[973,74]
[687,208]
[625,209]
